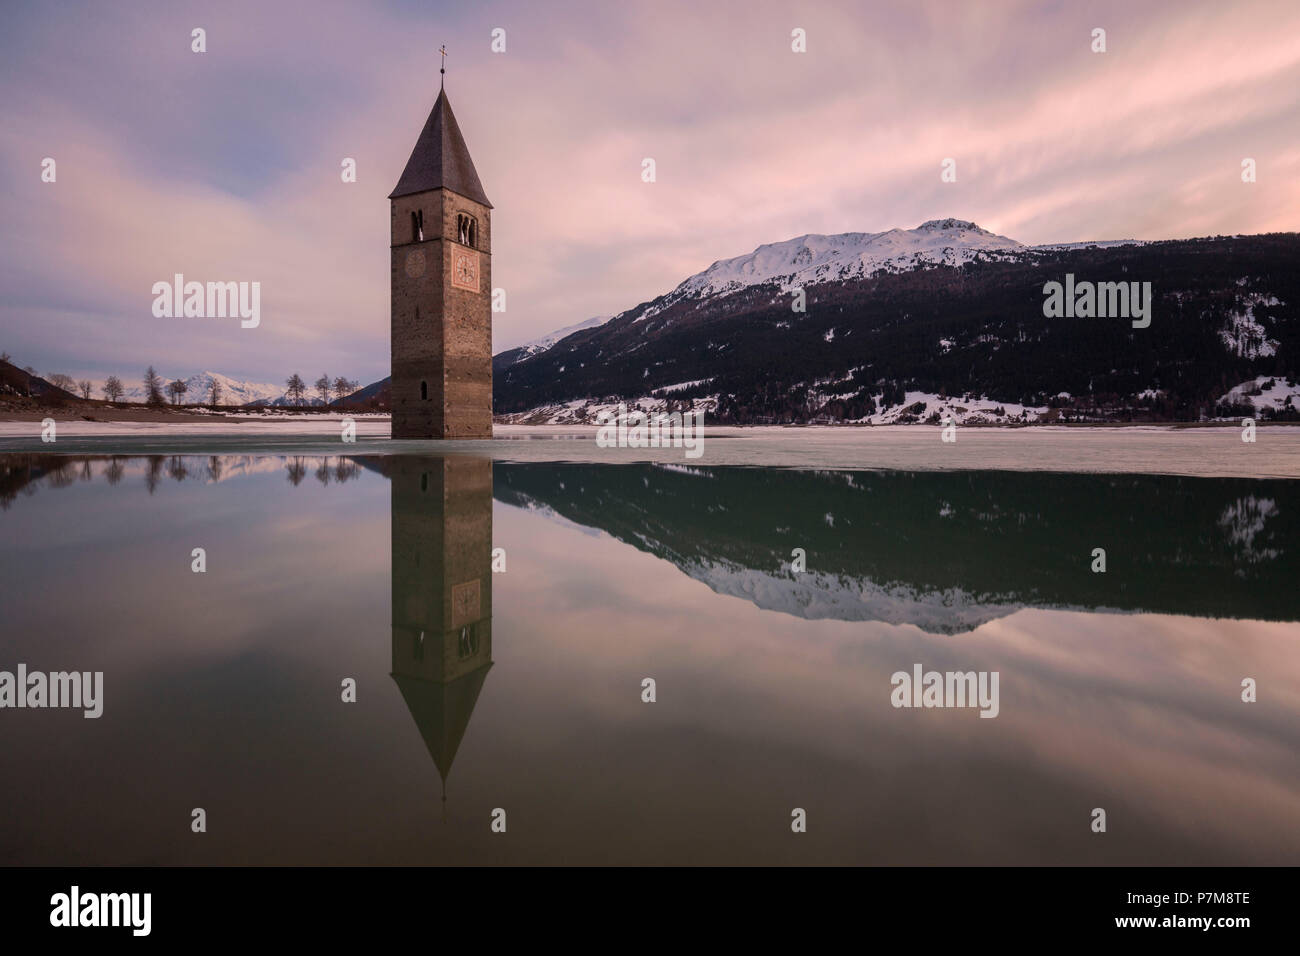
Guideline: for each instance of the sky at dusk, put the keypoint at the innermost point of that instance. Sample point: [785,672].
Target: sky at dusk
[225,165]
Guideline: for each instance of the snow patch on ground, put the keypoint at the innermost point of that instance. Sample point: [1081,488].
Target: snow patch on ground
[1265,391]
[917,408]
[1242,333]
[920,406]
[679,386]
[583,411]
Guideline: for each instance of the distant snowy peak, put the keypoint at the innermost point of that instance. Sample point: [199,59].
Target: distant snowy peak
[807,260]
[198,389]
[547,341]
[233,391]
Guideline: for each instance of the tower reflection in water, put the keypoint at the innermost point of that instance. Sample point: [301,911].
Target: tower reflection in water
[442,595]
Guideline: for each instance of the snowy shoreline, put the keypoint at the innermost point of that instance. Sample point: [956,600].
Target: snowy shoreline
[378,425]
[1203,452]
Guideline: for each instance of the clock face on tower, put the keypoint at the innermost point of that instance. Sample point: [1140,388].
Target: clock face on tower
[415,263]
[464,269]
[465,603]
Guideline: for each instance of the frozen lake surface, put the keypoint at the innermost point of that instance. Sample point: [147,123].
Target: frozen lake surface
[1193,451]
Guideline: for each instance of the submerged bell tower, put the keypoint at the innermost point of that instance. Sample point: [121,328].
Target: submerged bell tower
[441,269]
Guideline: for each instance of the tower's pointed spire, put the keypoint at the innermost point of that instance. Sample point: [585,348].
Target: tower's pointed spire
[442,710]
[440,159]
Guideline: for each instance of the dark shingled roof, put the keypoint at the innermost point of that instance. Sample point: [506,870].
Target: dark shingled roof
[440,159]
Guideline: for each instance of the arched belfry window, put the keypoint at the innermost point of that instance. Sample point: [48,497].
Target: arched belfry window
[466,230]
[417,225]
[467,641]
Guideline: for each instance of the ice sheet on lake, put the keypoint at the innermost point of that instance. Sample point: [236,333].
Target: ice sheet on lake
[1215,451]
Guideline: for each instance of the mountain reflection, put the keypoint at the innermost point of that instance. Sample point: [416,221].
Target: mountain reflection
[945,551]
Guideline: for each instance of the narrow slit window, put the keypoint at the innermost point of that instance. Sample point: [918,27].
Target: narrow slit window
[424,391]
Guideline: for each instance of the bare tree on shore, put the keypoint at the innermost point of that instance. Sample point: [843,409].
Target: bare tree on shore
[214,393]
[343,387]
[295,388]
[59,380]
[178,389]
[113,388]
[323,389]
[85,387]
[153,387]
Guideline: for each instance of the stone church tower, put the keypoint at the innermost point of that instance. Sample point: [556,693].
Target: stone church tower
[441,241]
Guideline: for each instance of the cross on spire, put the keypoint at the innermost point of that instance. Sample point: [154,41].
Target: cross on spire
[443,70]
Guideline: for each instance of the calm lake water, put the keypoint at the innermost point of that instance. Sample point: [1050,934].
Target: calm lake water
[521,689]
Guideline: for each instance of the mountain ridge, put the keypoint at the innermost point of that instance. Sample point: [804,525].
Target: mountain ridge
[954,313]
[198,387]
[813,257]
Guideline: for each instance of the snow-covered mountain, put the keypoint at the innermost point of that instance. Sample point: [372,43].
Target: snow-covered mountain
[199,388]
[283,401]
[507,357]
[941,321]
[812,259]
[807,260]
[546,341]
